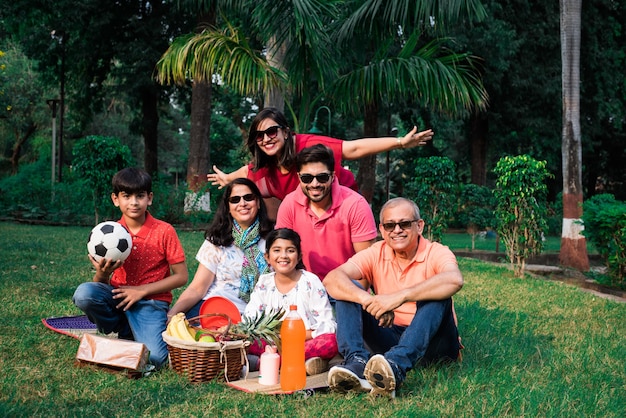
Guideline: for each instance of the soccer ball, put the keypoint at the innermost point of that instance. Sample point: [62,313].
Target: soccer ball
[109,240]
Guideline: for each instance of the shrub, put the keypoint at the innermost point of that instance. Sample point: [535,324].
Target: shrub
[605,227]
[476,209]
[521,207]
[434,189]
[97,159]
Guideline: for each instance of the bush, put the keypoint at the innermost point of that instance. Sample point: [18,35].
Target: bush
[476,209]
[97,159]
[605,227]
[521,207]
[434,189]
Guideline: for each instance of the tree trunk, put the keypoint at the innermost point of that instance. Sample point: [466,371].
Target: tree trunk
[478,141]
[17,148]
[149,128]
[573,244]
[275,57]
[366,177]
[199,161]
[198,164]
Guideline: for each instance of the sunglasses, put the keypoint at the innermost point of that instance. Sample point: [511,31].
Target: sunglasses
[236,199]
[390,226]
[271,133]
[308,178]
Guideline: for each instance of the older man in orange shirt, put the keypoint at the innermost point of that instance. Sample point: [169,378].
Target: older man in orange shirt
[409,319]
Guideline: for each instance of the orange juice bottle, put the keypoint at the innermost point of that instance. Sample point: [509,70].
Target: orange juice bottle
[292,336]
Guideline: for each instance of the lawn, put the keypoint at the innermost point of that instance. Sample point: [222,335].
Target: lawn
[533,348]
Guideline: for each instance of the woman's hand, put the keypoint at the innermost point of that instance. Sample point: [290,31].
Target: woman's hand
[219,178]
[416,139]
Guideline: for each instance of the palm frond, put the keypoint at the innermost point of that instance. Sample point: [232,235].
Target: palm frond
[225,54]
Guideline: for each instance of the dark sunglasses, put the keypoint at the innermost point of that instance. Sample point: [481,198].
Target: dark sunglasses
[271,133]
[236,199]
[390,226]
[321,178]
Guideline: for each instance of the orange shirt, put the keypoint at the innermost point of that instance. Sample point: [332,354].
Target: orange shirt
[379,266]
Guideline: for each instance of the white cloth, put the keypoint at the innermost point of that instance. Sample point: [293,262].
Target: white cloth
[226,263]
[309,295]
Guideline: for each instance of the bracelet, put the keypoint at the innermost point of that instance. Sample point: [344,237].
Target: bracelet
[399,141]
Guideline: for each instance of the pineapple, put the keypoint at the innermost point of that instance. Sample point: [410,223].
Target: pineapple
[265,326]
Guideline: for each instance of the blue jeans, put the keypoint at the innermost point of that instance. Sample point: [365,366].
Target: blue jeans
[430,337]
[143,322]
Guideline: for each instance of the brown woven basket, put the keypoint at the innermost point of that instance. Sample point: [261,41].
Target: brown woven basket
[202,362]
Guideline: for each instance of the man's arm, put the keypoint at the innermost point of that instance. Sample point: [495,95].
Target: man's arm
[438,287]
[339,284]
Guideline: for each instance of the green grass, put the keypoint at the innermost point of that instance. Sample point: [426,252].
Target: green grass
[533,348]
[463,242]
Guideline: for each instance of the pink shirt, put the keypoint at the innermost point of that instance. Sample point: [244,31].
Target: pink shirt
[272,183]
[379,266]
[155,248]
[327,241]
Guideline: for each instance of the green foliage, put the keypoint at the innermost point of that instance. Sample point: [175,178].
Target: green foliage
[97,159]
[22,103]
[434,189]
[604,218]
[476,209]
[521,207]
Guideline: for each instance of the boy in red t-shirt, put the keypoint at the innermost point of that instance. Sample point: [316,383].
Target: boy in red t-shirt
[132,297]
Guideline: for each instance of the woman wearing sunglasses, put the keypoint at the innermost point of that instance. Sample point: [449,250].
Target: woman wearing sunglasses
[231,257]
[274,147]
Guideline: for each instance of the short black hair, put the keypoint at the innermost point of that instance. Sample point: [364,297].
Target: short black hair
[317,153]
[132,180]
[289,235]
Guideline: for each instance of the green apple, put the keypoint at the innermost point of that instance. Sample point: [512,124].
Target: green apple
[206,338]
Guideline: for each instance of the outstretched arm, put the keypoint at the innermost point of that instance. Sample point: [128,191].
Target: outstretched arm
[221,179]
[352,150]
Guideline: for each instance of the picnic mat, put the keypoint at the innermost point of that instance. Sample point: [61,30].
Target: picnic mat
[251,384]
[73,326]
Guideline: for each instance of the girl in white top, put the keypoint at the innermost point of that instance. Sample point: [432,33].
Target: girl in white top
[290,284]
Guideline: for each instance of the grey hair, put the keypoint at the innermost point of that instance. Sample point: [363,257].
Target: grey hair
[397,201]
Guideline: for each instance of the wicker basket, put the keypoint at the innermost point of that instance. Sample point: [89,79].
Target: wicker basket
[202,362]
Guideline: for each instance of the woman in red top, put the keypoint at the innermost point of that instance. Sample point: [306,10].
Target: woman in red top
[274,148]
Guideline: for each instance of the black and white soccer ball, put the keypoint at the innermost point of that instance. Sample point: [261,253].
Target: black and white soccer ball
[109,240]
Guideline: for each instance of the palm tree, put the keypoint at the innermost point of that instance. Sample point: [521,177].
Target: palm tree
[301,31]
[252,58]
[398,56]
[573,244]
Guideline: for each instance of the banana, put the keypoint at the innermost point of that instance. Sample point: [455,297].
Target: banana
[183,331]
[170,328]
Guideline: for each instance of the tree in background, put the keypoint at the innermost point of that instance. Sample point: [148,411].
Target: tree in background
[98,158]
[476,211]
[573,244]
[434,187]
[521,207]
[22,106]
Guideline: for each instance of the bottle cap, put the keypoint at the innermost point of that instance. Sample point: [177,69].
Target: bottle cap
[293,307]
[270,349]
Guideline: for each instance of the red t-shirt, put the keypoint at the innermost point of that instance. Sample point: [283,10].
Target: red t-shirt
[155,248]
[272,183]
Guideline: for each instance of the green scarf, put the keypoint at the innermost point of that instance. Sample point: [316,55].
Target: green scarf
[254,263]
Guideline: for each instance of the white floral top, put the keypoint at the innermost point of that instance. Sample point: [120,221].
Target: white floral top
[309,295]
[226,263]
